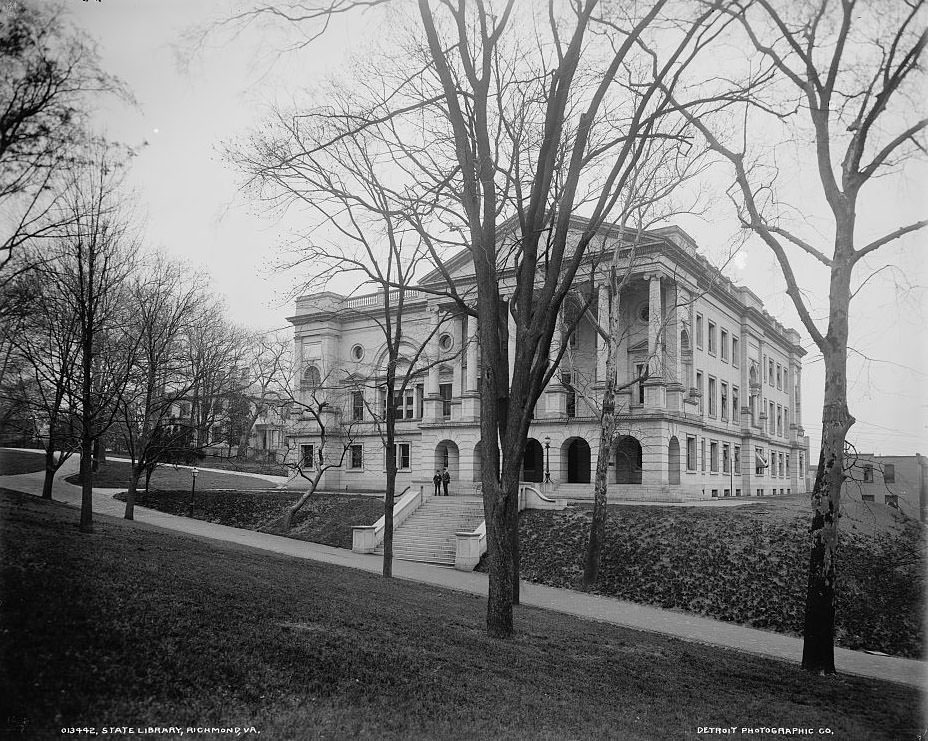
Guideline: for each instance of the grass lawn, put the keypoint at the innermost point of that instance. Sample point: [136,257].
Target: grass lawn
[13,462]
[246,466]
[137,626]
[114,474]
[745,565]
[325,518]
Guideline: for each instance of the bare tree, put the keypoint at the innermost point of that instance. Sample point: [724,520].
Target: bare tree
[216,352]
[848,78]
[267,358]
[163,304]
[537,131]
[319,399]
[342,177]
[90,267]
[45,358]
[49,76]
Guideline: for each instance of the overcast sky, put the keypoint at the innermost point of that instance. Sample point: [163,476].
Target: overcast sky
[194,211]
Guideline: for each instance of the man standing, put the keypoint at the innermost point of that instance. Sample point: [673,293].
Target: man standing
[436,479]
[445,480]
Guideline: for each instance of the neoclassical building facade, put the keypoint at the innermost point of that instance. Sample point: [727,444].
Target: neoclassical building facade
[719,415]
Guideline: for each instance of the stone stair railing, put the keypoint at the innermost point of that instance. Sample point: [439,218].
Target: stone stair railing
[366,538]
[470,546]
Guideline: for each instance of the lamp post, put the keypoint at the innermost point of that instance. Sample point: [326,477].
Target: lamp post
[193,490]
[547,459]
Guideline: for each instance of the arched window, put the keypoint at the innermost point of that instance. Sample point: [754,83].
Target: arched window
[684,341]
[312,379]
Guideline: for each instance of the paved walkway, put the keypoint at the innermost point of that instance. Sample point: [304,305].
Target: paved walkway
[628,614]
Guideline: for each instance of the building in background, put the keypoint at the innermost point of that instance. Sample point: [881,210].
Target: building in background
[895,480]
[719,415]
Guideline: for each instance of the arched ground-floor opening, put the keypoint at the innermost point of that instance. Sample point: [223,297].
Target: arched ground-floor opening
[447,456]
[477,471]
[673,461]
[533,462]
[577,452]
[628,462]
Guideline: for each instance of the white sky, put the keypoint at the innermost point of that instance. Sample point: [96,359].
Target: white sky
[194,210]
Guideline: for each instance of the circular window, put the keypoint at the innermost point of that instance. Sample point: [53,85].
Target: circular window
[644,312]
[357,352]
[446,342]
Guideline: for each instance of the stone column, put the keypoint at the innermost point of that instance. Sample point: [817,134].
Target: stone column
[470,400]
[655,320]
[623,398]
[457,366]
[654,386]
[676,391]
[432,402]
[555,395]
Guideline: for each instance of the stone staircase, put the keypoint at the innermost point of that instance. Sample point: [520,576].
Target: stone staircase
[428,534]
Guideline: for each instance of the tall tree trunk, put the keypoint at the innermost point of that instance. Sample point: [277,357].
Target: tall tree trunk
[130,494]
[86,525]
[50,469]
[388,502]
[499,548]
[818,645]
[598,524]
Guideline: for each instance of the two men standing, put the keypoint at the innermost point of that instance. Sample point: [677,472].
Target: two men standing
[441,479]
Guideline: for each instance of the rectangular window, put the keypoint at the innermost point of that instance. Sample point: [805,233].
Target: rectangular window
[868,474]
[715,492]
[690,453]
[770,372]
[639,372]
[307,459]
[892,500]
[735,405]
[760,462]
[779,420]
[889,473]
[713,457]
[402,456]
[737,492]
[712,347]
[357,406]
[723,390]
[404,404]
[782,470]
[735,351]
[444,391]
[737,459]
[699,390]
[699,331]
[787,465]
[726,459]
[779,377]
[357,456]
[723,341]
[702,454]
[866,497]
[712,410]
[727,492]
[771,420]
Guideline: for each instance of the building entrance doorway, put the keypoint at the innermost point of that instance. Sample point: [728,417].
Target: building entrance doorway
[578,462]
[628,461]
[533,462]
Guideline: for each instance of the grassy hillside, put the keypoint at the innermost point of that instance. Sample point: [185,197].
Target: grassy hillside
[745,565]
[134,626]
[325,518]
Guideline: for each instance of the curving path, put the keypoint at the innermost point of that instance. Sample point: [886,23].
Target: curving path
[640,617]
